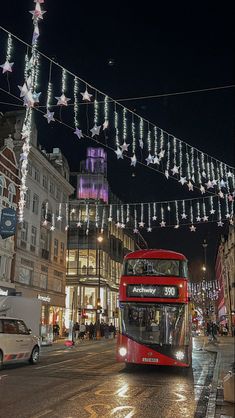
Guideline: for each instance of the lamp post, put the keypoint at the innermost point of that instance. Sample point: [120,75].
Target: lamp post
[98,305]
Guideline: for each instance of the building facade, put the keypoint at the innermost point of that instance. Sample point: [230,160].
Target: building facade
[41,240]
[94,257]
[9,195]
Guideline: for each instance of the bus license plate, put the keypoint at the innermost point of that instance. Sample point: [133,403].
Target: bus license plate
[150,360]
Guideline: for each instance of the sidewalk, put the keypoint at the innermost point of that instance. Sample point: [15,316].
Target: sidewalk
[225,349]
[60,344]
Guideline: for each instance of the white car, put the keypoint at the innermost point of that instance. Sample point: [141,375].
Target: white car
[16,342]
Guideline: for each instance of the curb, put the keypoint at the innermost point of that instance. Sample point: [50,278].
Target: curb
[211,406]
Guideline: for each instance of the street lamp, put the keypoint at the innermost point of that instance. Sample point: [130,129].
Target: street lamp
[205,245]
[98,305]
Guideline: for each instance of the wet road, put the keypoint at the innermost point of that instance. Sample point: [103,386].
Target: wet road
[86,382]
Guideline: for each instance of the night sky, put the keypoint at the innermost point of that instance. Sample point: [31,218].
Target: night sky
[154,50]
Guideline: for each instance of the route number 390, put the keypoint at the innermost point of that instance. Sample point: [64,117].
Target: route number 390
[169,291]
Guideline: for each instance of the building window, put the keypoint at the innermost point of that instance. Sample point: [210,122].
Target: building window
[58,193]
[62,250]
[2,185]
[45,182]
[11,192]
[35,203]
[29,168]
[25,275]
[24,231]
[52,188]
[34,236]
[37,174]
[56,247]
[27,199]
[43,281]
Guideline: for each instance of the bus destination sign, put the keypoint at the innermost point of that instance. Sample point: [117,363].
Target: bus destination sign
[151,291]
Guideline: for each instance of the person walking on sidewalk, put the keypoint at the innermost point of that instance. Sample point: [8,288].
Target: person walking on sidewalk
[214,330]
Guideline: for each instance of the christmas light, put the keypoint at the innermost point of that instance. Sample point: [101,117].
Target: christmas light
[176,215]
[168,159]
[106,113]
[141,128]
[75,98]
[149,229]
[154,218]
[135,230]
[7,66]
[110,213]
[133,158]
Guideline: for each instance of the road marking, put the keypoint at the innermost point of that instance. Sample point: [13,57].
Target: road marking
[42,414]
[53,364]
[122,408]
[93,414]
[3,375]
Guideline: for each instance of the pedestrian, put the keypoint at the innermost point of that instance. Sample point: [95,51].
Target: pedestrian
[82,331]
[76,330]
[111,330]
[106,331]
[214,330]
[91,331]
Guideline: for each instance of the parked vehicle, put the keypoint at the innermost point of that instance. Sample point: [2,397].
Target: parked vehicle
[17,344]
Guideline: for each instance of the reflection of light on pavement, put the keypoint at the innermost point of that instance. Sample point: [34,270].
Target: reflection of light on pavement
[122,392]
[122,408]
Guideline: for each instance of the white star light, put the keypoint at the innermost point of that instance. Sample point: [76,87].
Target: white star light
[220,223]
[182,180]
[192,228]
[161,154]
[209,185]
[205,218]
[190,186]
[227,215]
[154,218]
[212,211]
[222,183]
[95,130]
[183,215]
[156,160]
[214,182]
[230,198]
[133,160]
[49,116]
[176,226]
[37,13]
[163,224]
[62,100]
[141,224]
[36,97]
[198,218]
[78,132]
[229,174]
[105,124]
[123,226]
[52,228]
[202,188]
[79,224]
[149,229]
[135,230]
[7,67]
[110,219]
[86,96]
[59,218]
[220,194]
[23,90]
[175,170]
[149,159]
[119,153]
[124,146]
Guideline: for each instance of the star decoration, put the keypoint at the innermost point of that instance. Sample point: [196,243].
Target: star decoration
[110,219]
[141,224]
[78,132]
[182,180]
[52,228]
[36,96]
[59,218]
[220,194]
[222,183]
[49,116]
[229,174]
[133,160]
[123,226]
[7,67]
[202,188]
[167,174]
[156,160]
[149,229]
[141,143]
[198,218]
[86,96]
[154,218]
[66,228]
[37,13]
[183,215]
[163,224]
[176,226]
[44,222]
[192,228]
[38,1]
[214,182]
[190,186]
[95,130]
[161,154]
[23,90]
[149,159]
[105,124]
[209,185]
[230,198]
[205,218]
[79,224]
[28,99]
[62,100]
[135,230]
[227,215]
[119,153]
[124,146]
[212,211]
[220,223]
[175,170]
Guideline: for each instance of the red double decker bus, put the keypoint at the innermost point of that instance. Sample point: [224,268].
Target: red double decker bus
[155,318]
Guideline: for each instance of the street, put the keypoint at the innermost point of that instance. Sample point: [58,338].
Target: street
[85,381]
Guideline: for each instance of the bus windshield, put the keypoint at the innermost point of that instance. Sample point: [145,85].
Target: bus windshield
[155,323]
[155,267]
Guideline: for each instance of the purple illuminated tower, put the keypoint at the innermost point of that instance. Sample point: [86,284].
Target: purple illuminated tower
[92,182]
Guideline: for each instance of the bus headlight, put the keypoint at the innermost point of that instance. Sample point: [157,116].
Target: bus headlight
[179,355]
[122,351]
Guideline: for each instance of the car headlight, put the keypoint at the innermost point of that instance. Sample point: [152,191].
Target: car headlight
[122,351]
[179,355]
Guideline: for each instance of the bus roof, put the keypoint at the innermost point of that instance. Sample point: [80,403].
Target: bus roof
[156,254]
